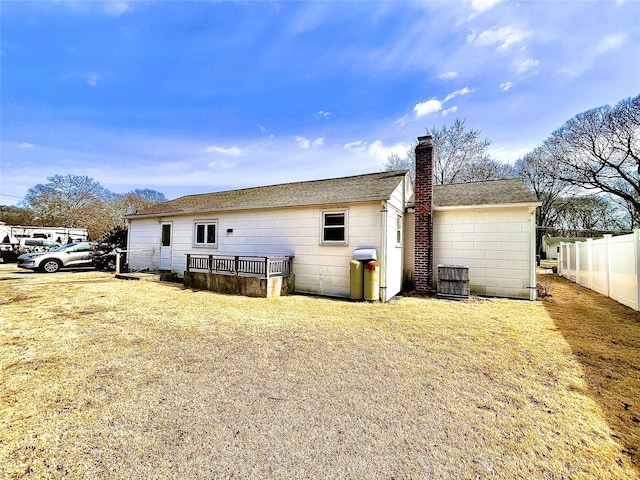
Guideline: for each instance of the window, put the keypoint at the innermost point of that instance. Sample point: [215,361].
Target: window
[399,230]
[205,234]
[334,227]
[165,241]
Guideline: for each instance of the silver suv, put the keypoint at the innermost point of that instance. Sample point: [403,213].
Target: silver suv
[66,256]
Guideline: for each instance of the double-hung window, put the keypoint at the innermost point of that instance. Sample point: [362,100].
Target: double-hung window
[398,230]
[205,233]
[334,227]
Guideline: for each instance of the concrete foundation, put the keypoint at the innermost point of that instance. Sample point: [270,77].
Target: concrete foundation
[239,285]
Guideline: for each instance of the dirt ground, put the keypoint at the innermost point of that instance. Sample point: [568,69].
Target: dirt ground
[604,336]
[103,378]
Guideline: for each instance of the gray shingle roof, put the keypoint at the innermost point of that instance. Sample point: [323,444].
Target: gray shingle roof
[360,188]
[494,192]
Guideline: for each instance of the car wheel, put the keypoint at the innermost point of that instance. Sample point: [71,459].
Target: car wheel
[50,266]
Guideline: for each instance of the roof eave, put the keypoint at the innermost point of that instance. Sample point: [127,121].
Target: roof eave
[244,209]
[495,205]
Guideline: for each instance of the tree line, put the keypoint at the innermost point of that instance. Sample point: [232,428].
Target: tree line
[586,173]
[77,201]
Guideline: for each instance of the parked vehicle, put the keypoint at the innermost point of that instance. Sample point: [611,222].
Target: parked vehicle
[67,256]
[37,245]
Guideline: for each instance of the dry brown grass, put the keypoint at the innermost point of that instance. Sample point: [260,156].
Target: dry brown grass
[605,338]
[112,379]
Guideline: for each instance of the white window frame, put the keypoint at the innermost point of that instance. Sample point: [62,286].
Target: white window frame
[323,226]
[399,230]
[206,224]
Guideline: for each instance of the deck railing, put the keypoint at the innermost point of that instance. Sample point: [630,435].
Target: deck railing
[264,266]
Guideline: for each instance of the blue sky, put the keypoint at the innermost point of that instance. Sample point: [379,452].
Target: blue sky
[191,97]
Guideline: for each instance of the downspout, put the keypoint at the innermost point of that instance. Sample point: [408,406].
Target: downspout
[383,257]
[128,234]
[532,260]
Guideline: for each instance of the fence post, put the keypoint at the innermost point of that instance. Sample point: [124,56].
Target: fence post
[210,263]
[188,262]
[561,260]
[607,263]
[577,244]
[266,267]
[636,249]
[589,263]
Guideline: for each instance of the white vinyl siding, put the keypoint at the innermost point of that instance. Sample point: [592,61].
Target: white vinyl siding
[318,268]
[496,244]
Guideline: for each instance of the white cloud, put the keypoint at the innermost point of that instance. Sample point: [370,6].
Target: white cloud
[26,145]
[462,91]
[611,42]
[92,79]
[222,164]
[510,156]
[116,7]
[402,121]
[235,151]
[380,152]
[504,86]
[324,114]
[428,107]
[483,5]
[306,143]
[503,37]
[448,76]
[303,143]
[261,128]
[358,146]
[528,65]
[434,105]
[376,150]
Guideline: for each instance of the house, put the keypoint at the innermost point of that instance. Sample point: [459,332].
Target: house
[320,223]
[489,226]
[551,245]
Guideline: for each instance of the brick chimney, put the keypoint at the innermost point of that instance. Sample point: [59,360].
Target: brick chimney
[423,270]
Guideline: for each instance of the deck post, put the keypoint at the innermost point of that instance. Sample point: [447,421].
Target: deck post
[188,262]
[266,268]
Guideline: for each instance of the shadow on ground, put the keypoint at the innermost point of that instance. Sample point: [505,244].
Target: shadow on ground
[605,338]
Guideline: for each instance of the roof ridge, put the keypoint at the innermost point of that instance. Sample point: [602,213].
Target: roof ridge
[477,181]
[391,173]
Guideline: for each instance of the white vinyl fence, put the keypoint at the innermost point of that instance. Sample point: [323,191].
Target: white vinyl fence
[609,265]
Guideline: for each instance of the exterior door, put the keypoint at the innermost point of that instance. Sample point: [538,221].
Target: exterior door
[165,246]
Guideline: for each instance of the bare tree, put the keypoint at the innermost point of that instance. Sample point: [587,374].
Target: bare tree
[12,215]
[80,201]
[459,155]
[396,162]
[553,193]
[487,169]
[588,216]
[67,200]
[454,149]
[599,150]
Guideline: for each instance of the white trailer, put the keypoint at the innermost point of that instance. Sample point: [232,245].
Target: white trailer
[13,234]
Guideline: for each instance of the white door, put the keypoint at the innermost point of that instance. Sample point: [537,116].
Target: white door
[165,246]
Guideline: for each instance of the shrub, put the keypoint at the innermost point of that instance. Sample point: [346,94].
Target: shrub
[104,253]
